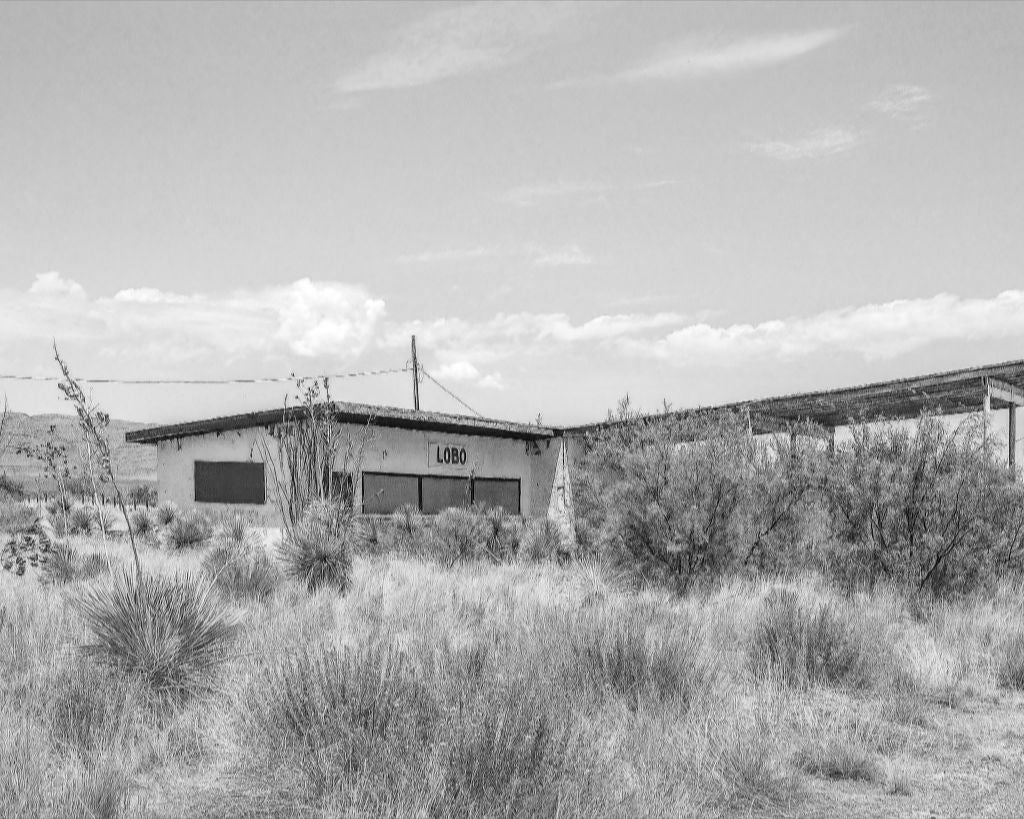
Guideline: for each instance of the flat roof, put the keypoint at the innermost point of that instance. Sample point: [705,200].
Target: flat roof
[951,392]
[345,412]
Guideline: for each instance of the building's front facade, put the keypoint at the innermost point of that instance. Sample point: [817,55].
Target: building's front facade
[428,460]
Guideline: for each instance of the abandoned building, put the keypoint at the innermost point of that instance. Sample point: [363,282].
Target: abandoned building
[434,460]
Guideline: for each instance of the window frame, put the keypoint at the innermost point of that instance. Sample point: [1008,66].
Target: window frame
[419,487]
[196,483]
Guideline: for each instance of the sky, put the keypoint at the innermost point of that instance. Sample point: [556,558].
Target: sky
[565,203]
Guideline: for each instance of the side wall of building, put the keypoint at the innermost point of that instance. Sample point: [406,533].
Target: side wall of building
[385,449]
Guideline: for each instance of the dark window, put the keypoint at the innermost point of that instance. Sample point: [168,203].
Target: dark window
[440,493]
[497,492]
[230,482]
[383,494]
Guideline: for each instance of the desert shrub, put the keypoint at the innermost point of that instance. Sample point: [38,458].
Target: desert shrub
[1010,668]
[342,707]
[240,571]
[165,513]
[168,631]
[509,747]
[925,506]
[505,534]
[16,517]
[813,643]
[238,531]
[681,496]
[10,489]
[142,495]
[107,517]
[542,539]
[618,652]
[63,563]
[142,523]
[58,507]
[459,533]
[188,529]
[318,551]
[82,520]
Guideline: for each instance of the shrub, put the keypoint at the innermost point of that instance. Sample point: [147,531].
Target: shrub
[237,531]
[16,517]
[617,652]
[458,534]
[505,534]
[82,520]
[168,631]
[240,571]
[10,489]
[542,539]
[63,563]
[166,512]
[58,507]
[508,748]
[318,552]
[808,644]
[1010,669]
[188,529]
[142,523]
[107,517]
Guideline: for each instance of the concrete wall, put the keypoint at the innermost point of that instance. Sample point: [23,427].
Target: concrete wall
[386,450]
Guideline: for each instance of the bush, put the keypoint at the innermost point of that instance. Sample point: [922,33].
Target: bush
[238,531]
[318,552]
[542,539]
[168,631]
[459,533]
[63,563]
[1010,668]
[11,489]
[166,512]
[812,644]
[17,517]
[239,571]
[82,520]
[617,652]
[142,523]
[188,529]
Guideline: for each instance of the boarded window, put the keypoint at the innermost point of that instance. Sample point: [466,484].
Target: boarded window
[440,493]
[230,482]
[497,492]
[383,494]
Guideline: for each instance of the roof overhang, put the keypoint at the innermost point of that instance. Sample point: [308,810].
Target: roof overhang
[361,414]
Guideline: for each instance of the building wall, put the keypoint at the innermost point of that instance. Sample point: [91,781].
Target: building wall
[385,450]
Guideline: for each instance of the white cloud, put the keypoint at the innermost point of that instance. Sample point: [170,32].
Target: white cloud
[822,143]
[874,331]
[304,318]
[568,256]
[692,59]
[454,41]
[525,196]
[900,100]
[450,255]
[458,371]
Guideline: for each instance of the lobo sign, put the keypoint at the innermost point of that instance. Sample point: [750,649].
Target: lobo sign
[450,455]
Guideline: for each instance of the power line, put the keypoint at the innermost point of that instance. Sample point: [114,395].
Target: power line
[202,381]
[453,395]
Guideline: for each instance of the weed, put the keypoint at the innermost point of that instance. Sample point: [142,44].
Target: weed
[188,529]
[165,513]
[240,571]
[1010,671]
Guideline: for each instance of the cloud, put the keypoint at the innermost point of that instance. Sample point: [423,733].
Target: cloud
[691,59]
[900,100]
[526,196]
[458,371]
[822,143]
[450,255]
[874,331]
[305,318]
[570,255]
[455,41]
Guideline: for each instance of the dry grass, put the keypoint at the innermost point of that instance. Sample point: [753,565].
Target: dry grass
[515,689]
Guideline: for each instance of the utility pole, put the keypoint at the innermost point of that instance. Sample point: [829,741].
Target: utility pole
[415,377]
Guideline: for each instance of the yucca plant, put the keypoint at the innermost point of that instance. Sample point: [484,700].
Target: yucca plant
[142,522]
[169,631]
[82,520]
[190,528]
[242,571]
[238,531]
[318,552]
[166,512]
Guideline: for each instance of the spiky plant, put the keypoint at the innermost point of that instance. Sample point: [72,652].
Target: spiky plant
[190,528]
[142,522]
[242,571]
[82,520]
[169,631]
[237,531]
[166,512]
[318,552]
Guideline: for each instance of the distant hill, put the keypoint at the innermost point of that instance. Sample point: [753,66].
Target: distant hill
[134,463]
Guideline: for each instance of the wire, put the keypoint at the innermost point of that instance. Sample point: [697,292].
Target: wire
[201,381]
[453,395]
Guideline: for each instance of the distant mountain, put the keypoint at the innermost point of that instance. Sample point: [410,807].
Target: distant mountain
[135,463]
